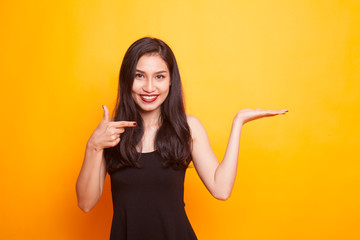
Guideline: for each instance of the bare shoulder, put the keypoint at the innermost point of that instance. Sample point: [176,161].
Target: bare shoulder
[195,125]
[192,121]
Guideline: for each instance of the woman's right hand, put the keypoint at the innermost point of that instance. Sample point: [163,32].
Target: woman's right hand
[107,134]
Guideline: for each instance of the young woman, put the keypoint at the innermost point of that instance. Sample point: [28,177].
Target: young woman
[147,147]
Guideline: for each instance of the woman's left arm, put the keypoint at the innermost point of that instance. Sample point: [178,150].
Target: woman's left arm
[218,177]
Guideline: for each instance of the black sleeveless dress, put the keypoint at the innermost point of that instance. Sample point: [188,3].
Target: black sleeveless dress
[149,202]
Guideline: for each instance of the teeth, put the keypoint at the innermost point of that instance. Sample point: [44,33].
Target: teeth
[148,97]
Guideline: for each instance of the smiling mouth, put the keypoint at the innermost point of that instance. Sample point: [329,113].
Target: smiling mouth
[148,98]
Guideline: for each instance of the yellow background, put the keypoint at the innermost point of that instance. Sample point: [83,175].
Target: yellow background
[298,174]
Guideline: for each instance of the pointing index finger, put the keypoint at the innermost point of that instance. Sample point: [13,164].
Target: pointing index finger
[124,124]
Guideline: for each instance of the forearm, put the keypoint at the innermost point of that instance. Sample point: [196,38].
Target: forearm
[88,187]
[225,173]
[219,178]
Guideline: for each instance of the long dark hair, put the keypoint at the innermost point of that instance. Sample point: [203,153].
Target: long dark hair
[173,138]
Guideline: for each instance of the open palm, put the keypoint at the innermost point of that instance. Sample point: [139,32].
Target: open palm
[248,114]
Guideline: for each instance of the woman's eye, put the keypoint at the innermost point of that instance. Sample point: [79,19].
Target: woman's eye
[160,76]
[138,75]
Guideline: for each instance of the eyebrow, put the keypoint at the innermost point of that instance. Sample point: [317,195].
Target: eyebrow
[162,71]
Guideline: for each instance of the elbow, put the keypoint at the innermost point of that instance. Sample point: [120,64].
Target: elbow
[223,196]
[85,203]
[85,210]
[85,207]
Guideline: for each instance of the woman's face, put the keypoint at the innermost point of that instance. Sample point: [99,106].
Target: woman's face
[151,84]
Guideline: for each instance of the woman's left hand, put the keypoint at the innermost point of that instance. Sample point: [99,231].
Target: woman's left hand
[247,114]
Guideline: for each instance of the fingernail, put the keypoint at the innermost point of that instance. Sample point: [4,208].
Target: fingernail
[135,123]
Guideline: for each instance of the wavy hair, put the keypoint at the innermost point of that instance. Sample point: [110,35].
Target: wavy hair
[173,138]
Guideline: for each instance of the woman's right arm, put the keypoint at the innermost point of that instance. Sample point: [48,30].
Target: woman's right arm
[91,179]
[90,182]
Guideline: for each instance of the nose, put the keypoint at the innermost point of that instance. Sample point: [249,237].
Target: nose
[149,86]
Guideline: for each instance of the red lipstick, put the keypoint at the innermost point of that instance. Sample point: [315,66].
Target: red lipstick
[148,98]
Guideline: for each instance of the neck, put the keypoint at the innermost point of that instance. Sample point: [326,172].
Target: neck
[151,119]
